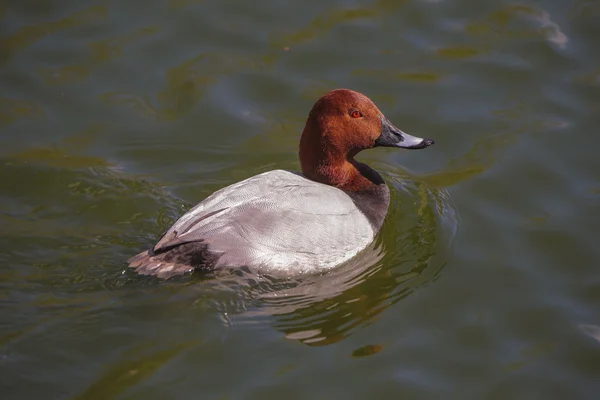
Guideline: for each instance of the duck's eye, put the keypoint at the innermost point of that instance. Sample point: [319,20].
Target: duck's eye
[355,114]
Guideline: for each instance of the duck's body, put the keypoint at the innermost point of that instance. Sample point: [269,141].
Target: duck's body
[270,221]
[286,222]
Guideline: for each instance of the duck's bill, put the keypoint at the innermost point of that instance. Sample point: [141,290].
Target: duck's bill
[393,137]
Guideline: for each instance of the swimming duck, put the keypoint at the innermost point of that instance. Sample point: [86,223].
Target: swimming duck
[288,222]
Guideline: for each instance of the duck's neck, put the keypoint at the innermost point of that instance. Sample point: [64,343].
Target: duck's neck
[342,172]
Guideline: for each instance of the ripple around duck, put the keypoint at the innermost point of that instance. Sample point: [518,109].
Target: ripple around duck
[410,252]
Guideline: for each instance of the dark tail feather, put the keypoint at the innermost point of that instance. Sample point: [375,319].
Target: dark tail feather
[145,264]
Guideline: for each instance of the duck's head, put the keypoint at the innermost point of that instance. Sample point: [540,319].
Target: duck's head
[341,124]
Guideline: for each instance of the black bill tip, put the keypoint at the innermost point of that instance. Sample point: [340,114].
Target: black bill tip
[424,143]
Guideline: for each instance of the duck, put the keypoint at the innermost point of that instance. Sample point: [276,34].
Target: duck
[286,222]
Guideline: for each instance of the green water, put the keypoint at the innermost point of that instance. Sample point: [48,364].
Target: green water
[116,117]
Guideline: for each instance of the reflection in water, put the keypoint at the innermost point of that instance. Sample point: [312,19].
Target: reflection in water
[318,310]
[517,120]
[479,158]
[529,355]
[68,153]
[322,25]
[134,366]
[175,4]
[508,21]
[368,350]
[101,52]
[592,331]
[30,34]
[412,76]
[13,109]
[460,52]
[333,17]
[186,84]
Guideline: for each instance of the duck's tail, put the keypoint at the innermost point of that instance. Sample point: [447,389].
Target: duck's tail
[146,264]
[176,260]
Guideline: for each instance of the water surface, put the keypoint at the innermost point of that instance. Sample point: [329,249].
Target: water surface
[116,117]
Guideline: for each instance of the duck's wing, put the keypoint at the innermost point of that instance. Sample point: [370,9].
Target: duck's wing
[276,220]
[218,209]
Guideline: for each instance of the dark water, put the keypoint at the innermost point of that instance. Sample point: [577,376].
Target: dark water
[116,117]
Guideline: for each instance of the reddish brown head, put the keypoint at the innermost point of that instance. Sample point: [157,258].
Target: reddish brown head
[341,124]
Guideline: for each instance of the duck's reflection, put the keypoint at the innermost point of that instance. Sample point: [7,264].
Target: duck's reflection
[319,309]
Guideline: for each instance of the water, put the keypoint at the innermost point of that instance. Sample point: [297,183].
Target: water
[116,117]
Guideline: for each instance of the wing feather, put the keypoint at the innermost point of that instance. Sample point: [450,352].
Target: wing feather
[277,218]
